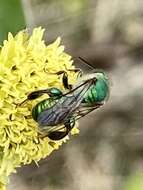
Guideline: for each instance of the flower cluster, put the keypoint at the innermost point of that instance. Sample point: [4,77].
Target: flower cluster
[23,61]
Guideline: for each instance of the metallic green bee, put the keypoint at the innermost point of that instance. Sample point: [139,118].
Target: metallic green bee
[57,114]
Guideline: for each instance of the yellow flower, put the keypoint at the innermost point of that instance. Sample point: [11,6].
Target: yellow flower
[23,61]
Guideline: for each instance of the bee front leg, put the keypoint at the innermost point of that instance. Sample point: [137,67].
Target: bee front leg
[36,94]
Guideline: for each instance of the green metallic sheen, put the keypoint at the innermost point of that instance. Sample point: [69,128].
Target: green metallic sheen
[55,92]
[46,103]
[98,92]
[41,106]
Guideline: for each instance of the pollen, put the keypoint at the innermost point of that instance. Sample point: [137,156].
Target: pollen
[25,61]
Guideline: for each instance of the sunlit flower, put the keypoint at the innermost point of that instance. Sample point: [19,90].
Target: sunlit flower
[23,61]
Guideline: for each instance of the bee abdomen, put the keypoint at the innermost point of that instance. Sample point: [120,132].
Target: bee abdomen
[96,93]
[90,96]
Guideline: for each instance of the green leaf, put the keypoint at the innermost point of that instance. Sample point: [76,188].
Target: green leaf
[11,17]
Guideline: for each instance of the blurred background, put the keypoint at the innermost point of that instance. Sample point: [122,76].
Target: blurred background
[108,152]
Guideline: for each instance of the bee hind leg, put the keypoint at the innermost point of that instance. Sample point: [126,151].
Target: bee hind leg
[58,135]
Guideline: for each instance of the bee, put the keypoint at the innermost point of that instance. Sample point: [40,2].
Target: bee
[56,115]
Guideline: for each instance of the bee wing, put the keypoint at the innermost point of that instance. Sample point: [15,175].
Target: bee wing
[82,111]
[64,107]
[60,131]
[56,114]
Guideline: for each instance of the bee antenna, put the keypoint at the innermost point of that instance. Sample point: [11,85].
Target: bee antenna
[83,60]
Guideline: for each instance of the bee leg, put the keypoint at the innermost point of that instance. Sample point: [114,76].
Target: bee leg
[76,70]
[66,82]
[58,135]
[52,92]
[35,94]
[65,78]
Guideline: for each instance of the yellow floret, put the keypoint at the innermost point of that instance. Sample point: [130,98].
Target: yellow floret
[23,62]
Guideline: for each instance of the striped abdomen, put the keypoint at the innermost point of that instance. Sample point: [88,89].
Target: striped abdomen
[41,106]
[97,92]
